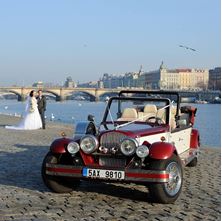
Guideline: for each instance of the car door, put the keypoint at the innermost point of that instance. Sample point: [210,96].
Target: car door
[181,139]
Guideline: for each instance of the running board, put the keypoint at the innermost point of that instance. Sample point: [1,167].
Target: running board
[188,155]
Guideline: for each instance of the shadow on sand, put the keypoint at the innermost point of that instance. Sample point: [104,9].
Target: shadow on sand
[22,169]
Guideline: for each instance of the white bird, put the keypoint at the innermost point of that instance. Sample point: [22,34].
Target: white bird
[6,107]
[52,117]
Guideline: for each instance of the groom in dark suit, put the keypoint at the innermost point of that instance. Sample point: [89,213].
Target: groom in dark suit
[41,100]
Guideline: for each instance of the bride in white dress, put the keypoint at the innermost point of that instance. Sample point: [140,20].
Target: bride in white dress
[32,119]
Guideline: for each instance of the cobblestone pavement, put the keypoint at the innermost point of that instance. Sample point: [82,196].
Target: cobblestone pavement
[23,196]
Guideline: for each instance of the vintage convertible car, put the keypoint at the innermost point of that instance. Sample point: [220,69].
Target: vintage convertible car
[143,138]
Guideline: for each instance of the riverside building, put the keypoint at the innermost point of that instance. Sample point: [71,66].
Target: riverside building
[69,83]
[215,78]
[177,79]
[127,80]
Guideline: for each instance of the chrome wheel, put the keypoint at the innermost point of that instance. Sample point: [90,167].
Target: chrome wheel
[175,179]
[170,191]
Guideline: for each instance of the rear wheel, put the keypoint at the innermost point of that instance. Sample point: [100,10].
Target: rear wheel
[56,183]
[192,163]
[167,192]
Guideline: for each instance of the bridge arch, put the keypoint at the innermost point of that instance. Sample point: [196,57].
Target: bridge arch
[57,96]
[21,97]
[107,94]
[92,97]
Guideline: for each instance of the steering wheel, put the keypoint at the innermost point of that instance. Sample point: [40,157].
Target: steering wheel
[155,120]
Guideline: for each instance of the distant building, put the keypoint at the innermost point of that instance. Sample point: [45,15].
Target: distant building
[127,80]
[91,84]
[51,85]
[215,78]
[152,80]
[112,81]
[100,84]
[38,84]
[177,79]
[69,83]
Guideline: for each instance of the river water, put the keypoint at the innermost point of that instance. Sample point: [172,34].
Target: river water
[208,117]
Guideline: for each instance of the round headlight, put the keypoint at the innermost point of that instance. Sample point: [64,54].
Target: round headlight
[73,147]
[128,146]
[89,144]
[142,151]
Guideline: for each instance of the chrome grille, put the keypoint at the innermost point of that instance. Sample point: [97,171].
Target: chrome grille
[111,139]
[112,162]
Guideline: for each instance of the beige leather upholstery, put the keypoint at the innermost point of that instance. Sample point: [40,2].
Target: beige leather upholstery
[128,114]
[150,108]
[173,112]
[161,113]
[140,116]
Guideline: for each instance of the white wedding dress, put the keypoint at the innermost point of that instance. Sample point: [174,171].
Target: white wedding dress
[32,119]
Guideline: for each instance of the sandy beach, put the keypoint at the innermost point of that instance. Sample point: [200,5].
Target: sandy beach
[23,196]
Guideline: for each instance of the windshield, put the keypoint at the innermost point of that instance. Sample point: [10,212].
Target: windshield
[122,111]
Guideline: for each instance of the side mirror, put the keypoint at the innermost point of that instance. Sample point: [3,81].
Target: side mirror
[182,122]
[91,118]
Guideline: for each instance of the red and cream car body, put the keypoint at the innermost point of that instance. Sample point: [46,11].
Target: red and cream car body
[149,142]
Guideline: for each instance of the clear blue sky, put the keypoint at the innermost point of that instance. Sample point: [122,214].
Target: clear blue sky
[48,40]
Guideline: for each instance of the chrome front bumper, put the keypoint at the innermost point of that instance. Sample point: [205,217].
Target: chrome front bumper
[134,175]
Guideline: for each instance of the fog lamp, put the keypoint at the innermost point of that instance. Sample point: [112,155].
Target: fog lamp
[73,147]
[142,151]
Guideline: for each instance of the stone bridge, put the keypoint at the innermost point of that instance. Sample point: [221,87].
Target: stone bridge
[61,93]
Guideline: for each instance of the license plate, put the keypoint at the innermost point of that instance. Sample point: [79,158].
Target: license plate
[103,174]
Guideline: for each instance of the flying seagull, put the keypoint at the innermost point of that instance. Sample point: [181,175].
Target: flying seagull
[183,46]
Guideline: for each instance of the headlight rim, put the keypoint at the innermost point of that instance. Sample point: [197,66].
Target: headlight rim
[75,144]
[95,140]
[134,141]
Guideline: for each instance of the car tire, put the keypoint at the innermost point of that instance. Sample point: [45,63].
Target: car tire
[192,163]
[56,183]
[170,191]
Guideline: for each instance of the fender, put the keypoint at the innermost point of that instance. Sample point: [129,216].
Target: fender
[195,139]
[82,128]
[161,150]
[59,145]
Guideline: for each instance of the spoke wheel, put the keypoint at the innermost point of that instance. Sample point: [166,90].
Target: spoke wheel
[167,192]
[172,187]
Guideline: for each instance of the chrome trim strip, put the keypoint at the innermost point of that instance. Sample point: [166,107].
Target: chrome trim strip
[63,174]
[153,180]
[52,165]
[130,174]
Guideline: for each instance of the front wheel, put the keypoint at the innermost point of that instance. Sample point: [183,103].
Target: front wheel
[167,192]
[56,183]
